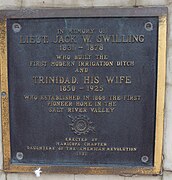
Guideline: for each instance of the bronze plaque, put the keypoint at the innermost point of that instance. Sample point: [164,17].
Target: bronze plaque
[83,94]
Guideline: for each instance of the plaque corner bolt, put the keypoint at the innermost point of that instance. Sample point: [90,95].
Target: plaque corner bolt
[16,27]
[144,159]
[3,93]
[19,156]
[148,26]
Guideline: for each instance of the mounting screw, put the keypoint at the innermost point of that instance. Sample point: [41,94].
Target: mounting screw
[16,27]
[144,159]
[3,94]
[149,26]
[19,155]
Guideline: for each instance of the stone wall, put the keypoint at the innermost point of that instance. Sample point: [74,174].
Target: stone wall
[167,148]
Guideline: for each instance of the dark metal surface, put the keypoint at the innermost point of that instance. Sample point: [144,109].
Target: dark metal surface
[130,126]
[85,12]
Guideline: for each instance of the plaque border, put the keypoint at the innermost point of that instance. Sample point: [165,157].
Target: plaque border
[160,12]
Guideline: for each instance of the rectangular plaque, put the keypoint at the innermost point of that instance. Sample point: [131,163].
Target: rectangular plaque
[83,90]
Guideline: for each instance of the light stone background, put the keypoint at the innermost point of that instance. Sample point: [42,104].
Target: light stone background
[167,148]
